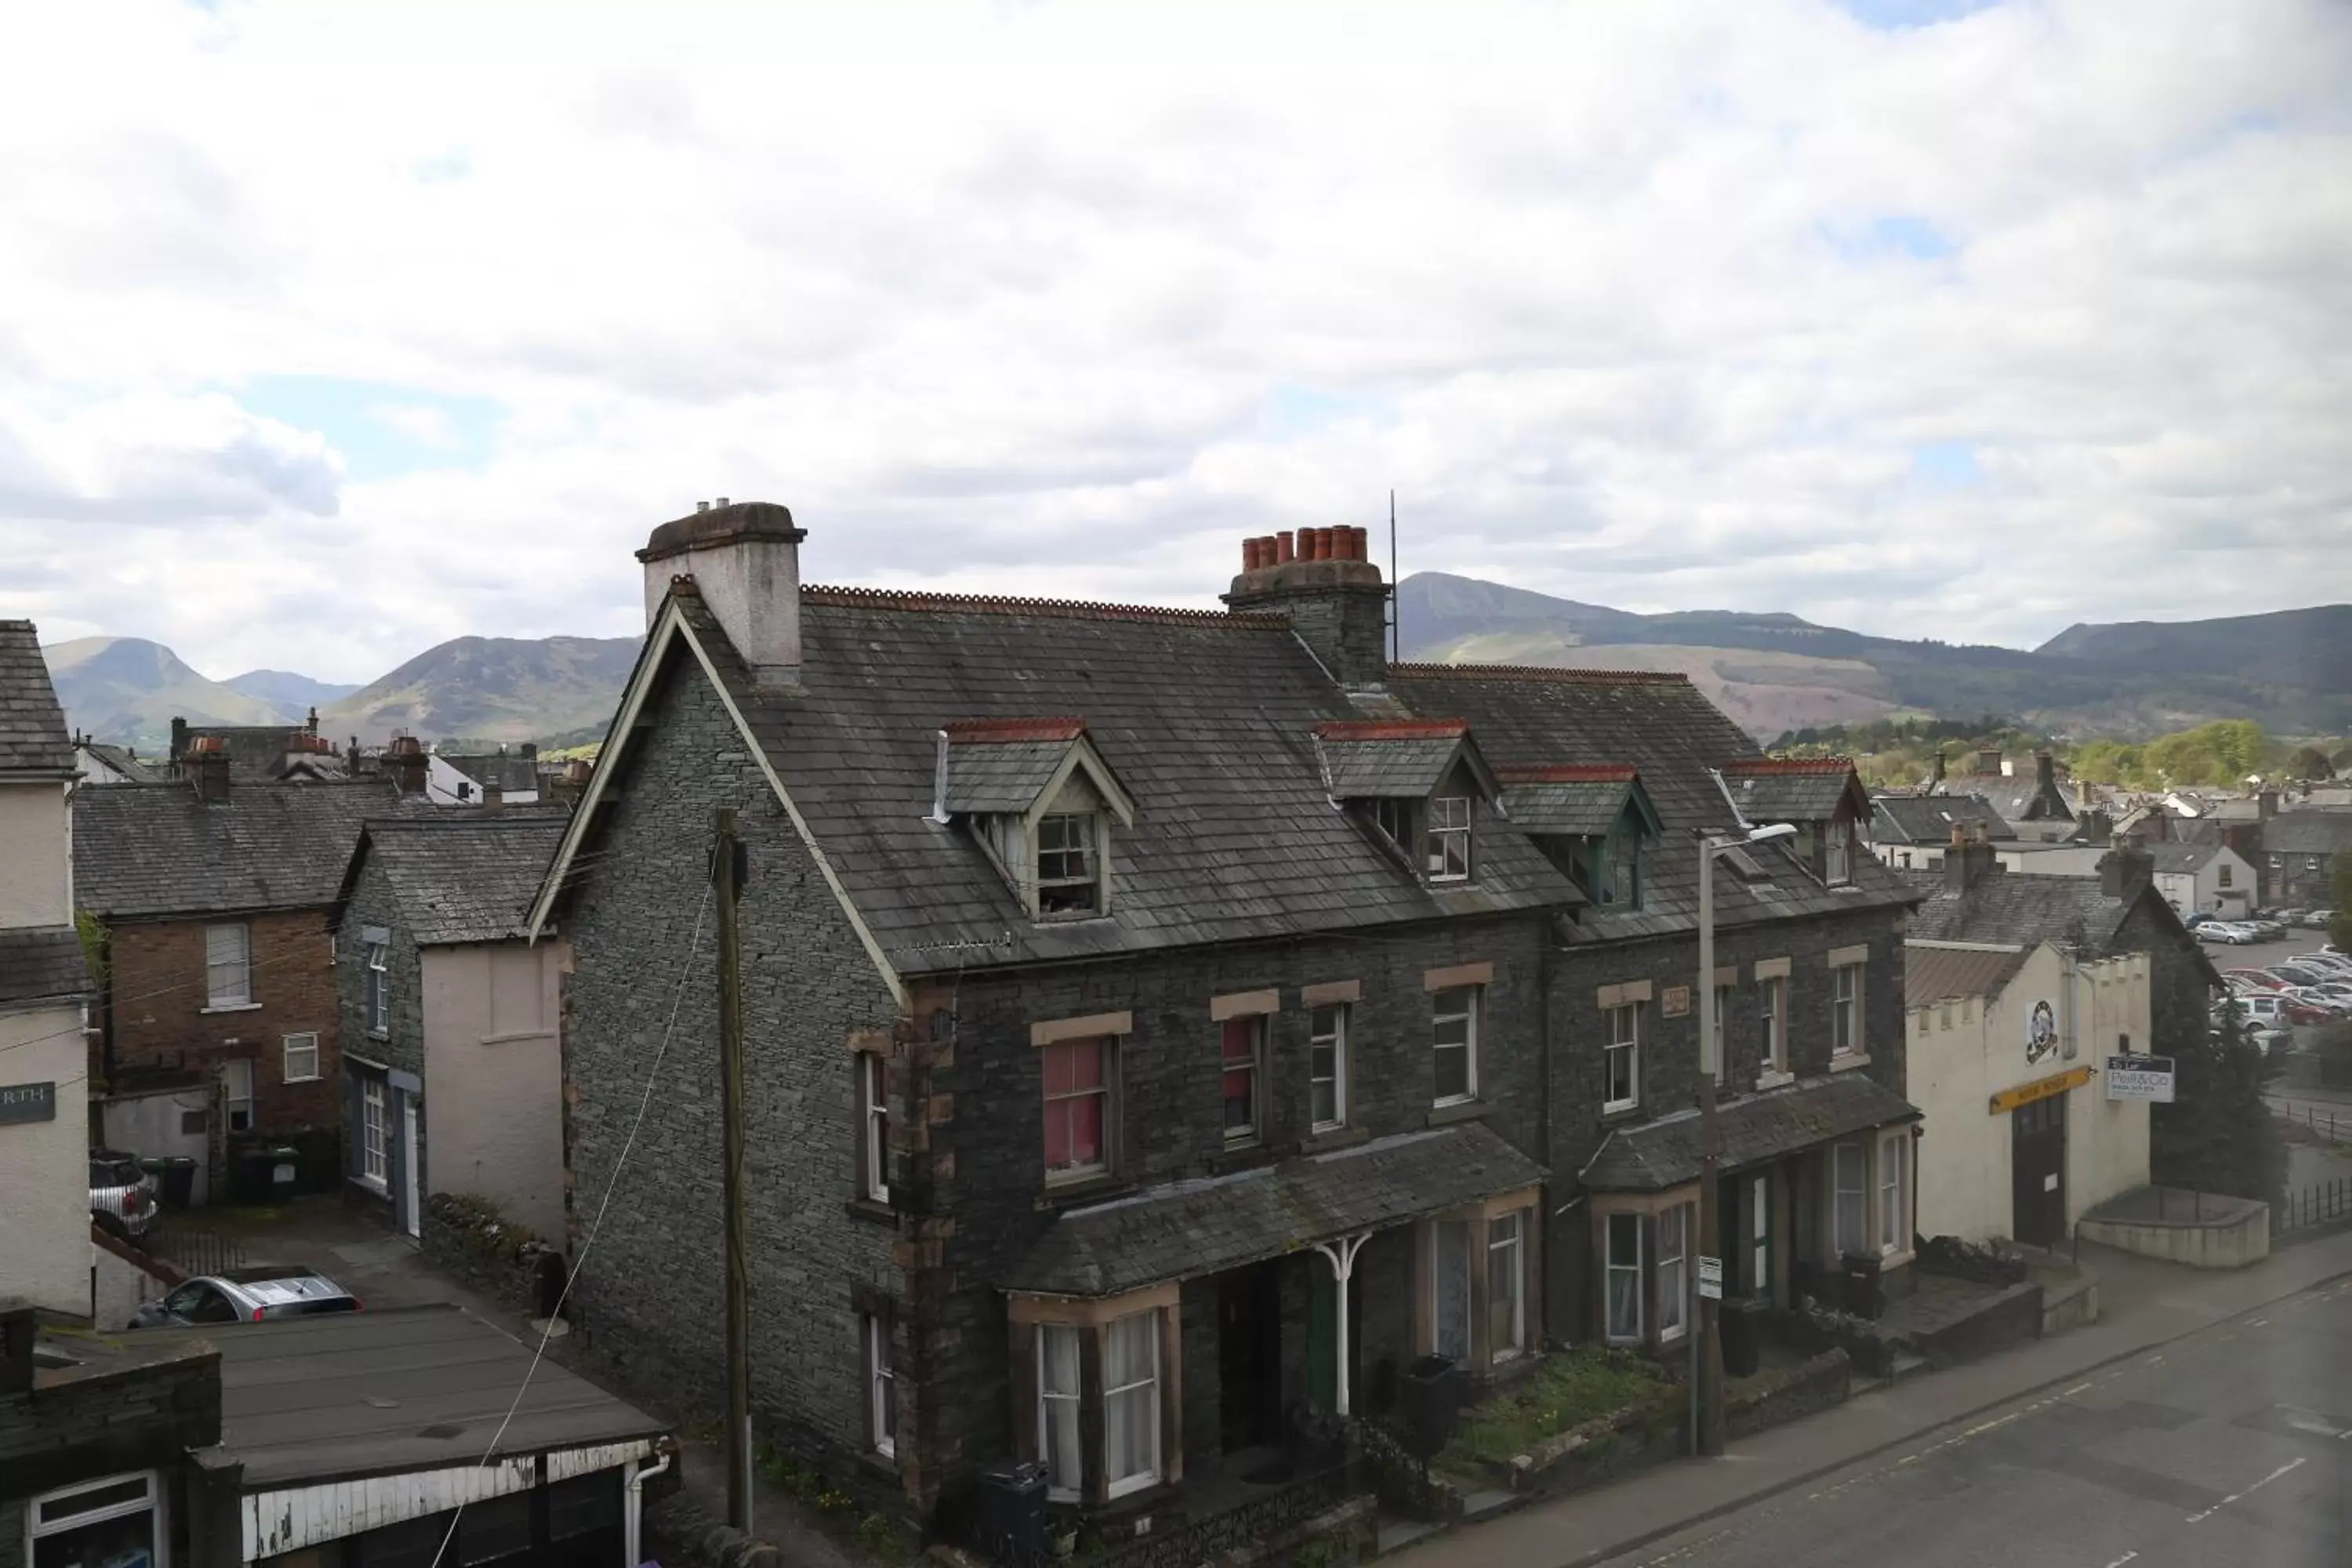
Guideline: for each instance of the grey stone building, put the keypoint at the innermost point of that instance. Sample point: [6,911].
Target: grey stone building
[1161,1023]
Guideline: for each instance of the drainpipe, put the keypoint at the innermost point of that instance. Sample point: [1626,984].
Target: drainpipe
[1342,1258]
[633,1507]
[2067,1046]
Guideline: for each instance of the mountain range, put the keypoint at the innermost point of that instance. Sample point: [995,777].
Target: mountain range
[2290,671]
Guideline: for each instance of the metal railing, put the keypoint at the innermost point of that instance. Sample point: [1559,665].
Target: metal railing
[2322,1203]
[2331,1125]
[192,1248]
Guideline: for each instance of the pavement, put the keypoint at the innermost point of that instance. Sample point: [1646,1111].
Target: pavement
[2089,1449]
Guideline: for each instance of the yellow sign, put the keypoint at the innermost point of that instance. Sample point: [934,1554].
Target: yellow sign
[2040,1088]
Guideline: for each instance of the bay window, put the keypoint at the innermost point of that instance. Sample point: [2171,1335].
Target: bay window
[1130,1403]
[1058,1447]
[1099,1418]
[1621,1291]
[1507,1286]
[1894,1212]
[1673,1267]
[1850,1211]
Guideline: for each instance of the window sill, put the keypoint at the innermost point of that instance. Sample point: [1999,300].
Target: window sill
[1240,1157]
[875,1462]
[379,1034]
[314,1078]
[513,1035]
[1330,1138]
[1457,1111]
[1613,1114]
[1894,1259]
[872,1211]
[1083,1190]
[1765,1080]
[1850,1059]
[376,1185]
[229,1008]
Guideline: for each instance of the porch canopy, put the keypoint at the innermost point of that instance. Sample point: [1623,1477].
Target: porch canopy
[1187,1229]
[1756,1131]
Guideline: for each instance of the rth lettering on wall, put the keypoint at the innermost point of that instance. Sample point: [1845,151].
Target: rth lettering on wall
[2009,1099]
[28,1102]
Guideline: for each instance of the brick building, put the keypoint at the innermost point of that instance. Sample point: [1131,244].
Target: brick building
[2295,854]
[213,895]
[1142,1004]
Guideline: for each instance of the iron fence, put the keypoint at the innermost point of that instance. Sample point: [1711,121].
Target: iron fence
[193,1249]
[2322,1203]
[2334,1126]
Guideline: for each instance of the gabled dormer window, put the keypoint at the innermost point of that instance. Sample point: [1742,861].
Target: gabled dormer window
[1041,802]
[1620,883]
[1592,820]
[1068,879]
[1449,838]
[1393,818]
[1416,782]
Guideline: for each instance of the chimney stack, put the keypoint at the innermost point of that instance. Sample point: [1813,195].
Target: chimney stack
[1935,773]
[494,794]
[2128,868]
[2266,804]
[745,560]
[1323,580]
[406,763]
[573,782]
[207,768]
[1988,763]
[1968,859]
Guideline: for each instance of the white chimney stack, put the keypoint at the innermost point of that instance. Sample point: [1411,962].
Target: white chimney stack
[745,560]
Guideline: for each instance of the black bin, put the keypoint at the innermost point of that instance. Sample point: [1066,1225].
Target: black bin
[1432,1402]
[1866,1292]
[175,1177]
[285,1173]
[1743,1337]
[1011,1509]
[253,1174]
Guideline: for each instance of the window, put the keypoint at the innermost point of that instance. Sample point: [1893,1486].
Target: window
[228,966]
[1723,1000]
[375,1132]
[116,1520]
[1673,1283]
[881,1386]
[1057,1409]
[1623,1265]
[1449,1289]
[1893,1225]
[1850,1220]
[1077,1108]
[1507,1286]
[1449,838]
[1759,1231]
[1771,1019]
[379,990]
[1620,1057]
[1453,1037]
[301,1057]
[1243,1055]
[1394,819]
[873,1126]
[1845,1009]
[1621,879]
[236,1089]
[1837,853]
[1066,864]
[2224,869]
[1131,1403]
[1327,1071]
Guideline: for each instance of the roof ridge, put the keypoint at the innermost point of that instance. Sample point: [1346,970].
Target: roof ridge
[1821,765]
[1391,730]
[1543,672]
[1567,773]
[1001,605]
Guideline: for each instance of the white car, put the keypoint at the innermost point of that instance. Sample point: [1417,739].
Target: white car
[2224,931]
[2264,1007]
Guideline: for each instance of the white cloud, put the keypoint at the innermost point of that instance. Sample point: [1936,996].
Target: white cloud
[1064,299]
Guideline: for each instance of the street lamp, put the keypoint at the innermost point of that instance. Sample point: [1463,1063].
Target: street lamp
[1707,1346]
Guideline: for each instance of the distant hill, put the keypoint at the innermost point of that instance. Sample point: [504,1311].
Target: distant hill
[2108,690]
[127,689]
[497,689]
[293,695]
[2297,648]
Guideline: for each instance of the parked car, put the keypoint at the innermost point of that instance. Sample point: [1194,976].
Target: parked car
[2267,1039]
[2295,972]
[121,1195]
[2276,1008]
[2328,962]
[2224,931]
[2256,979]
[2317,920]
[2265,930]
[247,1296]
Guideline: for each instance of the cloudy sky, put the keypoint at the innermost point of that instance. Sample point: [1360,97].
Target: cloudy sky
[331,331]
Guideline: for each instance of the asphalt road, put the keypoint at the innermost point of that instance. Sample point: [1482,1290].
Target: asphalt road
[2230,1447]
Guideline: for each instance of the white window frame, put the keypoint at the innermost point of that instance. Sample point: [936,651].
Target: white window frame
[1473,1004]
[1846,1010]
[1760,1242]
[1146,1388]
[881,1387]
[1508,1234]
[1618,1333]
[1725,997]
[1840,1191]
[1088,855]
[232,1070]
[1674,1272]
[1449,838]
[228,982]
[873,1126]
[1256,1023]
[1393,818]
[155,1503]
[306,1040]
[378,980]
[1894,1189]
[1623,1043]
[375,1132]
[1837,853]
[1773,1020]
[1330,1042]
[1049,1396]
[1106,1090]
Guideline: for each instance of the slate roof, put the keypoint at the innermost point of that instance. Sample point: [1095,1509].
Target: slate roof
[1931,974]
[305,1400]
[1191,1229]
[143,849]
[33,737]
[460,878]
[2018,797]
[1662,726]
[1206,718]
[1004,767]
[1754,1130]
[2186,858]
[2308,833]
[1390,759]
[137,770]
[256,752]
[42,963]
[1774,789]
[1930,818]
[1582,801]
[2024,908]
[513,773]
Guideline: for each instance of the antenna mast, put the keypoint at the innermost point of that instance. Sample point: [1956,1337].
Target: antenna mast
[1396,606]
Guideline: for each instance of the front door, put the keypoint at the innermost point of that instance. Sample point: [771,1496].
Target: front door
[412,1215]
[1323,1340]
[2037,1163]
[1755,1199]
[1249,1357]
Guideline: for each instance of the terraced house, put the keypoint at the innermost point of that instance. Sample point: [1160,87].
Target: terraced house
[1161,1024]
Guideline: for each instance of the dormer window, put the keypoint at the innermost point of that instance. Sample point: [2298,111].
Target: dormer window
[1066,863]
[1449,838]
[1415,784]
[1837,853]
[1593,820]
[1040,801]
[1621,886]
[1821,796]
[1394,819]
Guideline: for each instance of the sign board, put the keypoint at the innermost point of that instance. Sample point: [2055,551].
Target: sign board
[2009,1099]
[1710,1279]
[1675,1001]
[2140,1077]
[28,1102]
[2040,1033]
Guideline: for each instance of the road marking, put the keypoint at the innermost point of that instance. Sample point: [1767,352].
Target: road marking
[2069,1395]
[2119,1561]
[2234,1497]
[2256,1322]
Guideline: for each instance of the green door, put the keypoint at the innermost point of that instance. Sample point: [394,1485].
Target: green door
[1323,1342]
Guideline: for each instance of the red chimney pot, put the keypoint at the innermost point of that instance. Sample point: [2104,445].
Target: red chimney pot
[1284,545]
[1250,561]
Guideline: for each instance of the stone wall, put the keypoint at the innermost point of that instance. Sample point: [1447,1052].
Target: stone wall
[466,1237]
[1772,1399]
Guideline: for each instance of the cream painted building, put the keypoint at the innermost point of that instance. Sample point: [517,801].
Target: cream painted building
[2008,1060]
[45,1247]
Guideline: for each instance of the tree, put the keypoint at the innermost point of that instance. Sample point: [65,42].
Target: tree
[2310,763]
[2218,1135]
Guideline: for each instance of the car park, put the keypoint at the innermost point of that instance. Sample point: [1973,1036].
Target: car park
[2295,973]
[249,1295]
[121,1195]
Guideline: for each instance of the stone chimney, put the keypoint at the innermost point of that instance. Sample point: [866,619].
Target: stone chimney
[1935,773]
[207,766]
[406,763]
[745,560]
[2266,804]
[179,738]
[1968,859]
[574,782]
[494,794]
[1324,580]
[1987,763]
[2128,868]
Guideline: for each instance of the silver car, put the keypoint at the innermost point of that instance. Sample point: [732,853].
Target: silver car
[121,1195]
[251,1295]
